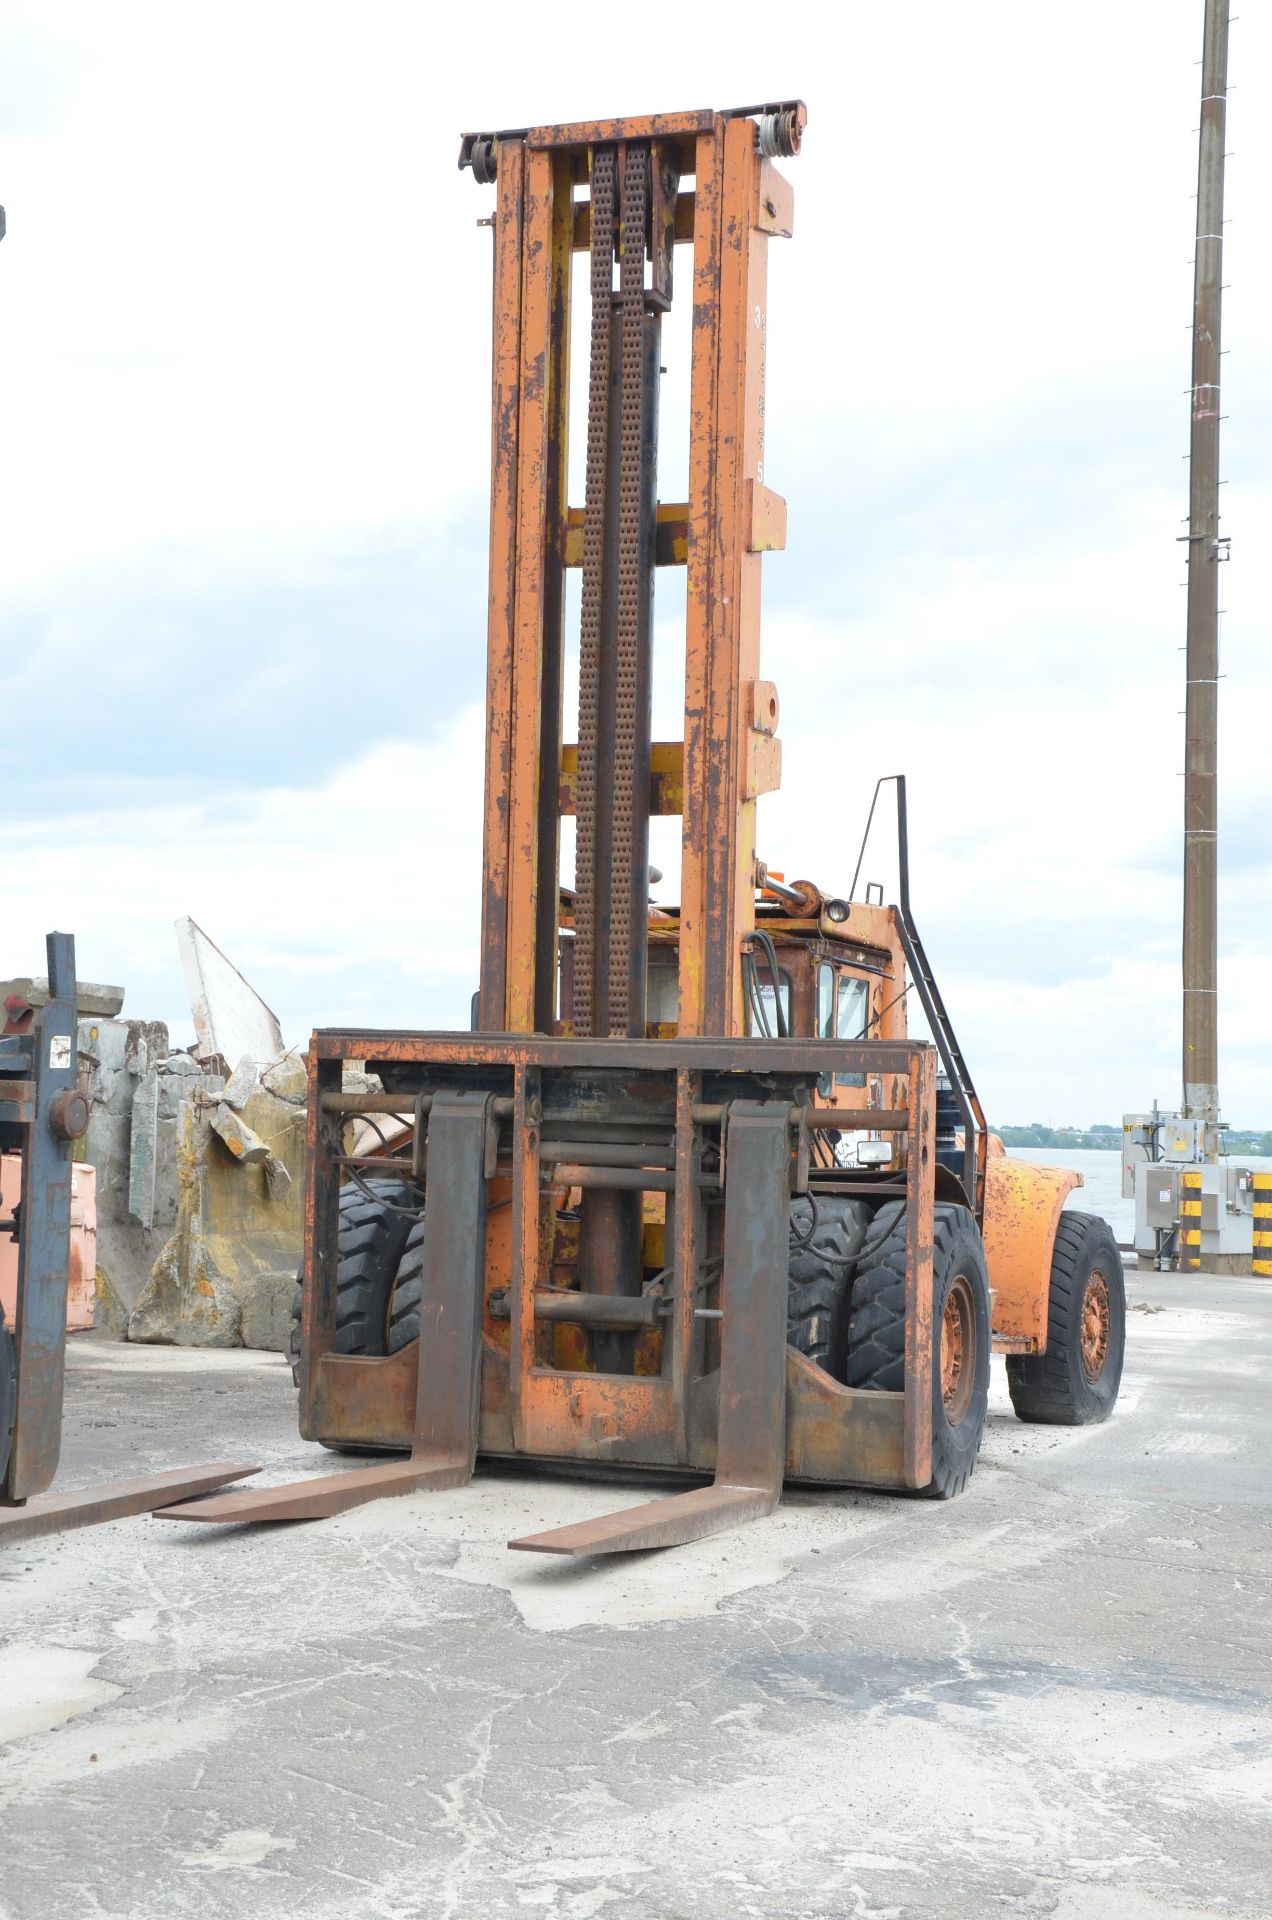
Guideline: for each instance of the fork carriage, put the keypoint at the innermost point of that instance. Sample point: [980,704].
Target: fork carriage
[507,1127]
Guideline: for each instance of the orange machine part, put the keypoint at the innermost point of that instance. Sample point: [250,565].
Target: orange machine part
[82,1271]
[1023,1204]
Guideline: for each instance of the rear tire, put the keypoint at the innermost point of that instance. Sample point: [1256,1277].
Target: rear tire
[369,1247]
[8,1392]
[1075,1380]
[960,1319]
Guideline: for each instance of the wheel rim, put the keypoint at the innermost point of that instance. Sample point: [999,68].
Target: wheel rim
[958,1350]
[1093,1326]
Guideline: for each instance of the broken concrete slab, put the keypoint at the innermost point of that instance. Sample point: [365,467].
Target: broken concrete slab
[189,1301]
[230,1017]
[242,1082]
[244,1143]
[142,1168]
[238,1228]
[288,1078]
[115,1057]
[91,1000]
[267,1309]
[154,1113]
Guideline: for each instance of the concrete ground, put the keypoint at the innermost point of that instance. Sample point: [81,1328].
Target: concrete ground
[1049,1697]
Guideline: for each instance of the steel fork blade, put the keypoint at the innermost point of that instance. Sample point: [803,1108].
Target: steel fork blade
[325,1494]
[671,1522]
[61,1512]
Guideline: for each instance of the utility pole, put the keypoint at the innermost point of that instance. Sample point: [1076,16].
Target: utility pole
[1205,550]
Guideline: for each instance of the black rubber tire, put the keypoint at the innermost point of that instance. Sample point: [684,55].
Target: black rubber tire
[408,1289]
[819,1279]
[8,1392]
[371,1238]
[1052,1388]
[876,1334]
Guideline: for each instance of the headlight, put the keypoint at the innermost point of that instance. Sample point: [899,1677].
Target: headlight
[837,910]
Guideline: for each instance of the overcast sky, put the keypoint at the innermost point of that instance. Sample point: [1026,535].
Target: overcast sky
[244,307]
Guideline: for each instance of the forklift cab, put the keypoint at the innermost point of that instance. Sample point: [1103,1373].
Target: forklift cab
[822,991]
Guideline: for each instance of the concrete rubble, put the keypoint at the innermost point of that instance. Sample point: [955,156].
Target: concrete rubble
[231,1020]
[33,991]
[200,1169]
[225,1276]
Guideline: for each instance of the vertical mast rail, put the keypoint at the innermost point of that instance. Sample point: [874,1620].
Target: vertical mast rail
[497,877]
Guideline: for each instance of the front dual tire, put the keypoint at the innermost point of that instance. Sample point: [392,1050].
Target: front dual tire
[960,1322]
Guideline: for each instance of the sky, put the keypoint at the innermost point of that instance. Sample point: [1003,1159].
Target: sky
[245,337]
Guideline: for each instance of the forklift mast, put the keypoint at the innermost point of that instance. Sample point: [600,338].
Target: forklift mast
[627,193]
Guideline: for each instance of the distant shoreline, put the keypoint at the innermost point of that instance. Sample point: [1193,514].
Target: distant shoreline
[1105,1139]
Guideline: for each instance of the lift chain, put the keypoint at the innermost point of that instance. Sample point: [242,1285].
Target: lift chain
[603,169]
[631,562]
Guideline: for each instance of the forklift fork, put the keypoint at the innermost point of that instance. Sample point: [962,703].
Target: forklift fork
[751,1436]
[43,1113]
[448,1386]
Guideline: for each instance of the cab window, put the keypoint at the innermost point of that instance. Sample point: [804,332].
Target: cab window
[852,1017]
[768,1003]
[825,1017]
[825,1002]
[662,991]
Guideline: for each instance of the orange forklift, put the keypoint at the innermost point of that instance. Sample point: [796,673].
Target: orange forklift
[688,1198]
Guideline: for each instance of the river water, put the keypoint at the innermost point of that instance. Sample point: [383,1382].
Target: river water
[1101,1191]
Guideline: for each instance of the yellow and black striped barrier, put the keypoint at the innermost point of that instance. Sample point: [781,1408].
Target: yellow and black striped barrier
[1263,1223]
[1190,1220]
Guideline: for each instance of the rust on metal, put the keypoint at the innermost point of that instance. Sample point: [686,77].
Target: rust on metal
[666,777]
[704,1052]
[837,1435]
[505,423]
[671,540]
[682,218]
[1094,1324]
[321,1496]
[68,1114]
[112,1500]
[958,1350]
[671,1522]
